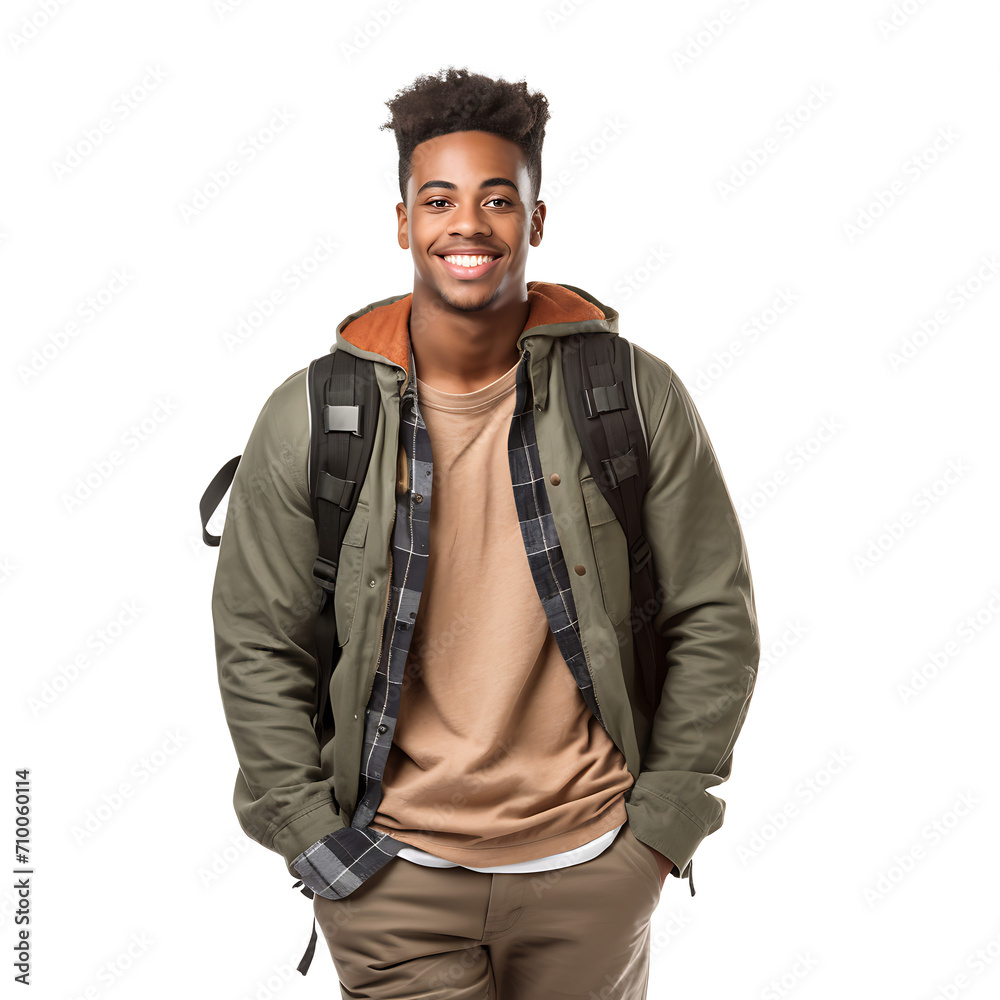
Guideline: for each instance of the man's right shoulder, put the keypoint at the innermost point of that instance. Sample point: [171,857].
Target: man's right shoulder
[290,397]
[289,402]
[280,440]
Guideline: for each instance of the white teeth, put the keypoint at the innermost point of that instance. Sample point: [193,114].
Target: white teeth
[466,261]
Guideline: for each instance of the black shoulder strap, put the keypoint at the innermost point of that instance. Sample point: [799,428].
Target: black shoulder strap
[344,403]
[597,369]
[212,497]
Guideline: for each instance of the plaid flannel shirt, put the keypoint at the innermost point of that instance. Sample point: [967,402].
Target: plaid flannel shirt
[337,864]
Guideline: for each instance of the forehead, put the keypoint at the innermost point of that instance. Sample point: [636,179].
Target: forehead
[466,157]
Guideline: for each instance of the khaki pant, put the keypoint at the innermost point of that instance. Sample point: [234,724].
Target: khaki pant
[453,934]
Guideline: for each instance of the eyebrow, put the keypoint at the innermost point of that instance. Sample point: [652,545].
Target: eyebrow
[492,182]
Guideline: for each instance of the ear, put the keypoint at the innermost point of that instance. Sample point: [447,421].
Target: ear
[537,223]
[402,234]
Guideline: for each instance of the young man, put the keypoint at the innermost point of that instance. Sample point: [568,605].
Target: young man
[494,816]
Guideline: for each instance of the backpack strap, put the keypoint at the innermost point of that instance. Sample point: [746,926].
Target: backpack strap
[344,403]
[212,497]
[602,397]
[307,956]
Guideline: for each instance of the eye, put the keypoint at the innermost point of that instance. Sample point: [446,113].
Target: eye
[435,201]
[498,198]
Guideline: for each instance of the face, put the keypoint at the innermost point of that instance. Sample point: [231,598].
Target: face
[465,197]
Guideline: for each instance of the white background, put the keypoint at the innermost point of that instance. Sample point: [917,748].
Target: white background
[858,852]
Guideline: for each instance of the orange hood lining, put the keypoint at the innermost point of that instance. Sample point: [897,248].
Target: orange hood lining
[385,330]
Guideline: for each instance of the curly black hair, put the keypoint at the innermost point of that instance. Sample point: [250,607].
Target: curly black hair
[455,100]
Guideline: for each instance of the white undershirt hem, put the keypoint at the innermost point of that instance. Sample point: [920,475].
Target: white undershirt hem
[576,856]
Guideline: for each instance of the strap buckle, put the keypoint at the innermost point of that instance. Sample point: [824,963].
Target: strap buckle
[639,553]
[620,467]
[325,573]
[342,417]
[601,398]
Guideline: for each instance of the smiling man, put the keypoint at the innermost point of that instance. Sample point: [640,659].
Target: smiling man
[494,815]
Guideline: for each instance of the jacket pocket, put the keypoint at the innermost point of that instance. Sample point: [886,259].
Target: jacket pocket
[610,549]
[352,557]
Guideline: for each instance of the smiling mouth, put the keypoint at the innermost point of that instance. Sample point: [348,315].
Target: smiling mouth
[468,265]
[467,260]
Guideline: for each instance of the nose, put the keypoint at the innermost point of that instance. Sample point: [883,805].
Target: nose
[469,219]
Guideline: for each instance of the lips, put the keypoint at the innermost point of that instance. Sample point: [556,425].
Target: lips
[459,271]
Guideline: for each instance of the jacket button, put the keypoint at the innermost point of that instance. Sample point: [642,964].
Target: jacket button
[418,498]
[580,569]
[554,479]
[383,729]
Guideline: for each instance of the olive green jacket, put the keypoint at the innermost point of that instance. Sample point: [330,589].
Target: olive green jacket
[289,793]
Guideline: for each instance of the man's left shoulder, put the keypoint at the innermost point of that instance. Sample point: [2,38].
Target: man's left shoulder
[653,380]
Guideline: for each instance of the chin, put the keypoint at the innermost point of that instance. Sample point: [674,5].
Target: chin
[470,301]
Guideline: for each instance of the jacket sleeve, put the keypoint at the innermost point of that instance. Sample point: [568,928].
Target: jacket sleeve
[264,607]
[708,620]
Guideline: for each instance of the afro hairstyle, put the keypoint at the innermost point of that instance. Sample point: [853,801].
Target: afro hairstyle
[455,100]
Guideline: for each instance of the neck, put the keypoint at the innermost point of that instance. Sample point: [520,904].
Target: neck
[462,351]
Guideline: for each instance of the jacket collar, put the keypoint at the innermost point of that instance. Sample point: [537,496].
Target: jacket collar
[380,330]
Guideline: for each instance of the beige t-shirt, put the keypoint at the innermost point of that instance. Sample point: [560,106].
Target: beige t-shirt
[496,757]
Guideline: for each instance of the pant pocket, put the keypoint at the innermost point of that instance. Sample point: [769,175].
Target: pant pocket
[640,856]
